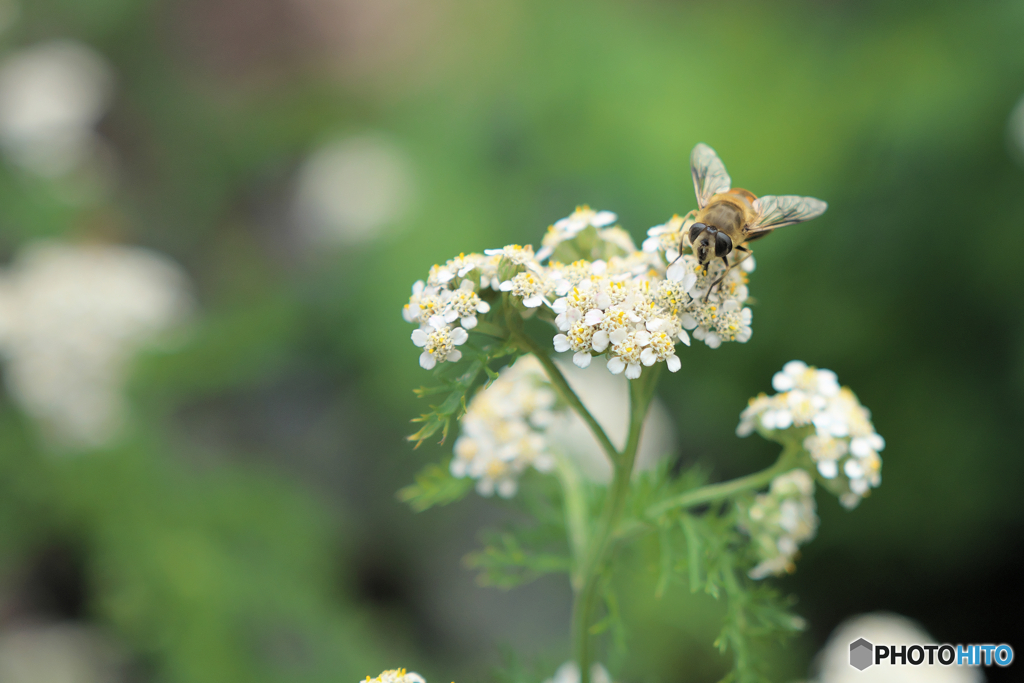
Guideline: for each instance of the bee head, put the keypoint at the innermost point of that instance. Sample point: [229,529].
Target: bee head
[708,242]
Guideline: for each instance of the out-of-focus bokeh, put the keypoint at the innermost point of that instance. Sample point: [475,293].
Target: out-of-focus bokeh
[211,212]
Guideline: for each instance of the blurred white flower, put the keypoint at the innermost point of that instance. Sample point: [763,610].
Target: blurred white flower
[350,190]
[833,427]
[504,428]
[570,673]
[59,653]
[779,521]
[51,97]
[833,662]
[71,318]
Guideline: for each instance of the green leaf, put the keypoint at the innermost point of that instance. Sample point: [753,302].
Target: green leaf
[434,485]
[504,562]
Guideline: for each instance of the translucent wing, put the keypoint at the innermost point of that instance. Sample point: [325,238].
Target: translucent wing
[775,212]
[709,176]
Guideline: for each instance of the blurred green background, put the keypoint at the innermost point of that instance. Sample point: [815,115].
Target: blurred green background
[243,527]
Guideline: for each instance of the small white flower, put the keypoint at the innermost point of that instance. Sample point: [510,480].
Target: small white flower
[395,676]
[438,342]
[528,286]
[515,253]
[779,521]
[503,430]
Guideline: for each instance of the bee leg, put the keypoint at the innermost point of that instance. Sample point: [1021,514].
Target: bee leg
[719,280]
[681,244]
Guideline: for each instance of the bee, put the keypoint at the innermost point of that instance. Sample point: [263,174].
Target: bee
[729,218]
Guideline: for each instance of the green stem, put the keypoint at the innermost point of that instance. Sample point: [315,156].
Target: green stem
[713,492]
[641,392]
[565,392]
[576,514]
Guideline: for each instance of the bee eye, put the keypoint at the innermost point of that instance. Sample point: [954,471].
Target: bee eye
[723,244]
[695,230]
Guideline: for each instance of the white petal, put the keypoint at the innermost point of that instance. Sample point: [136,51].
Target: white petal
[828,469]
[600,341]
[689,281]
[561,343]
[654,325]
[648,357]
[782,381]
[794,367]
[643,338]
[582,359]
[852,469]
[593,317]
[506,286]
[427,361]
[676,272]
[459,336]
[615,365]
[603,218]
[437,322]
[713,340]
[632,371]
[507,488]
[445,276]
[483,307]
[602,300]
[534,301]
[688,321]
[673,363]
[618,335]
[419,338]
[450,316]
[683,337]
[560,305]
[454,356]
[469,322]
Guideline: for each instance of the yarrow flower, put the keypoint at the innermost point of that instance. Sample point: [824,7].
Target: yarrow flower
[631,306]
[567,228]
[827,421]
[395,676]
[779,521]
[503,430]
[438,342]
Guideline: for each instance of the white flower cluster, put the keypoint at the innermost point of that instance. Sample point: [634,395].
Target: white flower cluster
[835,428]
[632,305]
[503,430]
[779,521]
[395,676]
[71,318]
[715,316]
[449,296]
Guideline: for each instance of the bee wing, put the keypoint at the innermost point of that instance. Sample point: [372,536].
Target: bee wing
[709,176]
[775,212]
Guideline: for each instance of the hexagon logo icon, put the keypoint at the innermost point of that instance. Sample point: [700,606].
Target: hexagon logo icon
[860,654]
